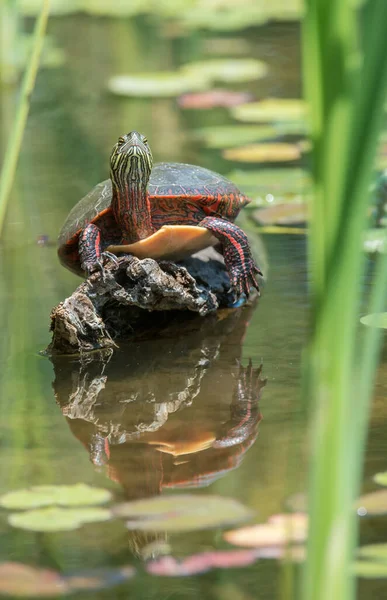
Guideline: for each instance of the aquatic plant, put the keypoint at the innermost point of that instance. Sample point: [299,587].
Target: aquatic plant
[16,135]
[345,87]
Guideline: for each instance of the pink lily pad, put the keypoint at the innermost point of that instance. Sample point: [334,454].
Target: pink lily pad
[201,563]
[278,531]
[20,581]
[213,98]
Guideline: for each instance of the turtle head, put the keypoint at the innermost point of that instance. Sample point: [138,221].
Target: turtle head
[131,161]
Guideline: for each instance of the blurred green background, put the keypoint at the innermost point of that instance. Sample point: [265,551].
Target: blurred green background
[215,83]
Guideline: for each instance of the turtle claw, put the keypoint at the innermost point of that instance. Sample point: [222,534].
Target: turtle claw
[243,280]
[111,257]
[238,259]
[97,266]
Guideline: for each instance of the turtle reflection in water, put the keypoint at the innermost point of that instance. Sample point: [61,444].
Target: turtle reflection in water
[184,417]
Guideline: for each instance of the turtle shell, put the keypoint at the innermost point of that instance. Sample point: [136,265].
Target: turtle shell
[178,193]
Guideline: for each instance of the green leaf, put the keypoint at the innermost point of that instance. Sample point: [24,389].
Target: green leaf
[376,551]
[228,70]
[182,513]
[374,503]
[277,182]
[281,214]
[381,478]
[273,109]
[269,152]
[162,84]
[57,519]
[232,135]
[375,320]
[63,495]
[370,569]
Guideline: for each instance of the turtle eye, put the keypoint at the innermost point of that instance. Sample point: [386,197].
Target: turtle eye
[121,140]
[144,139]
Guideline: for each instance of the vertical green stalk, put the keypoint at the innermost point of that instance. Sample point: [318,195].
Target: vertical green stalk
[16,135]
[9,19]
[345,96]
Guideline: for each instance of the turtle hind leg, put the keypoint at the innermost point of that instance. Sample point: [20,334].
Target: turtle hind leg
[237,255]
[90,250]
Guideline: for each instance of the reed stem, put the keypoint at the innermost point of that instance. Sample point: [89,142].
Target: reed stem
[17,131]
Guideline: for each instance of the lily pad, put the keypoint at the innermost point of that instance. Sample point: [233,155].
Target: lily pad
[376,551]
[370,569]
[281,214]
[374,503]
[182,512]
[272,109]
[213,98]
[168,566]
[381,478]
[231,135]
[20,581]
[225,15]
[256,153]
[277,182]
[57,519]
[278,531]
[79,494]
[164,84]
[228,70]
[375,320]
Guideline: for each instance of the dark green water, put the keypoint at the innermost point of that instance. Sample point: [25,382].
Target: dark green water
[73,124]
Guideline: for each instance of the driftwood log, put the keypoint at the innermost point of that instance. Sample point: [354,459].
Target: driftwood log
[137,296]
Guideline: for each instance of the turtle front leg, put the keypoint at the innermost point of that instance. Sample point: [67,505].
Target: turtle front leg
[90,250]
[238,259]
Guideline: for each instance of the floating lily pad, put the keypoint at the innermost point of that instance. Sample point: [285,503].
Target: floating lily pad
[370,569]
[168,566]
[381,478]
[20,581]
[290,180]
[46,495]
[212,98]
[374,503]
[276,152]
[292,127]
[375,320]
[272,109]
[225,15]
[377,551]
[280,530]
[182,512]
[57,519]
[231,135]
[281,214]
[228,70]
[375,240]
[162,84]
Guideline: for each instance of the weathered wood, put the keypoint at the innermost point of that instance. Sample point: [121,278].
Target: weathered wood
[135,297]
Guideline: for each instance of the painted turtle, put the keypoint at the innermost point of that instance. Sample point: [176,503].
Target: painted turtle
[166,212]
